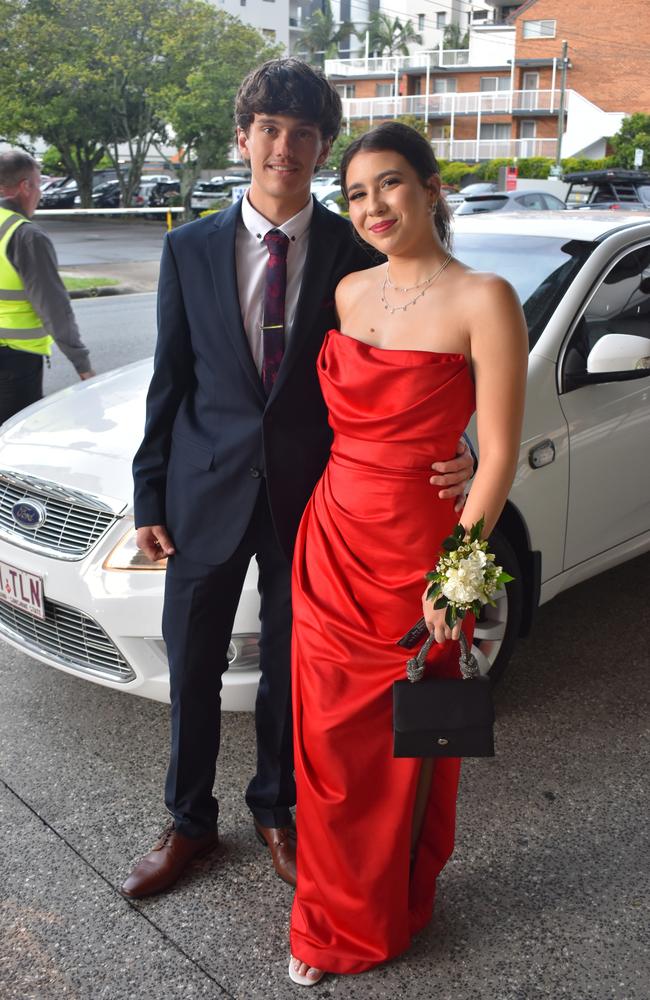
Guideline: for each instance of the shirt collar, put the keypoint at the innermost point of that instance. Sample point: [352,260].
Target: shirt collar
[258,226]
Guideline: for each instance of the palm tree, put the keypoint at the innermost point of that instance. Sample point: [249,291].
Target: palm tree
[322,36]
[389,36]
[454,37]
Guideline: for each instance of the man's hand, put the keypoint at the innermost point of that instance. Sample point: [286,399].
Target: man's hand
[155,542]
[454,475]
[85,375]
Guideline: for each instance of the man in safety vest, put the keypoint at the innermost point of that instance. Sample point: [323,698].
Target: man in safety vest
[35,308]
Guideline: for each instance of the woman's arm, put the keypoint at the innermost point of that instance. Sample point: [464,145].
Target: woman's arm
[499,353]
[499,350]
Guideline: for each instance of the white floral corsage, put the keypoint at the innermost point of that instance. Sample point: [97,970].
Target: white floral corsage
[465,577]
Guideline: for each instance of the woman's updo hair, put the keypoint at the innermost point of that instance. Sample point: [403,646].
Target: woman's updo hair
[416,150]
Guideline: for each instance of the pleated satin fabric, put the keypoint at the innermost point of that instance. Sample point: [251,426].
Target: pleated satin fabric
[373,527]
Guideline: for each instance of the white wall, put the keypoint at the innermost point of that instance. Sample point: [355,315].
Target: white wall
[265,15]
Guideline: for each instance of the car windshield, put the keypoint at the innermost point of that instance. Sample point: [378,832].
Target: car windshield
[540,268]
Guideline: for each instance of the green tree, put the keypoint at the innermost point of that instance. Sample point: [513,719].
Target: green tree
[50,83]
[633,134]
[322,36]
[389,36]
[339,146]
[198,104]
[453,37]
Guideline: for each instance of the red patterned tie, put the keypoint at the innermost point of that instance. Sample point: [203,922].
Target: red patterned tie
[275,288]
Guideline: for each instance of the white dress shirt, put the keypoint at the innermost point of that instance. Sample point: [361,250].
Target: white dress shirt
[251,258]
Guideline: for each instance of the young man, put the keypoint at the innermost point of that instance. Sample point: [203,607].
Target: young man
[35,308]
[236,437]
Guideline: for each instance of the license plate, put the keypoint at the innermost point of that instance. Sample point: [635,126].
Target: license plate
[22,590]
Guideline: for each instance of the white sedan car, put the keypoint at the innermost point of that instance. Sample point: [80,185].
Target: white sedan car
[76,593]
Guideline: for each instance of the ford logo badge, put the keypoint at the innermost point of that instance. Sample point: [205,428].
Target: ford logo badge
[29,514]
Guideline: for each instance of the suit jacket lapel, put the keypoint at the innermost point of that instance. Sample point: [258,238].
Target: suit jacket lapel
[315,287]
[221,256]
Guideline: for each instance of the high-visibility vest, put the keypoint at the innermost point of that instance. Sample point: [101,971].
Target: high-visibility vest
[20,325]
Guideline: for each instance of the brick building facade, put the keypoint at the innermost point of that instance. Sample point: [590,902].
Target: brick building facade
[508,104]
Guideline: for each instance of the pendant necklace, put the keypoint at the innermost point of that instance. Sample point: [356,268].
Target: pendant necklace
[424,285]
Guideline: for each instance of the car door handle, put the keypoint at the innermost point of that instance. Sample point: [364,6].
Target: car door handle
[542,454]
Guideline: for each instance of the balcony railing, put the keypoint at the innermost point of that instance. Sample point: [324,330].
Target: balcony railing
[396,64]
[491,102]
[492,149]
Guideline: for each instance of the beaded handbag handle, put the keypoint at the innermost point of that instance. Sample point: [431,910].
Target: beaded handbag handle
[467,661]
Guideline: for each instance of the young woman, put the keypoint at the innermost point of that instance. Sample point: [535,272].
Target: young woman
[423,341]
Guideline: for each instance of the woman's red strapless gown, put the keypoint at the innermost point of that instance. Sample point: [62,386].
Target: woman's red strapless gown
[373,527]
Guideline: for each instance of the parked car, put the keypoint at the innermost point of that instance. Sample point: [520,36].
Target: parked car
[60,195]
[206,193]
[511,201]
[104,195]
[596,189]
[455,198]
[155,193]
[329,195]
[77,594]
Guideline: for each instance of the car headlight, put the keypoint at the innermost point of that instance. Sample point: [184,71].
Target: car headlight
[126,556]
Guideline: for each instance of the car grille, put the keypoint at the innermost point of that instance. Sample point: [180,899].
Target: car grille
[73,525]
[68,637]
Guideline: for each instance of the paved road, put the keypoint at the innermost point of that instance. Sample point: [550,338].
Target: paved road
[116,330]
[546,897]
[101,240]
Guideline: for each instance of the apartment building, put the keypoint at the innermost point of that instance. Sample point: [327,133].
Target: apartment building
[272,18]
[501,96]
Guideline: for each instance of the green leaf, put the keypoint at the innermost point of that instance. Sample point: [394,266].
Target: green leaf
[442,602]
[432,591]
[477,530]
[504,577]
[459,531]
[450,616]
[450,544]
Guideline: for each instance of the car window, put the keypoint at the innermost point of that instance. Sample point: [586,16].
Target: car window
[621,305]
[531,201]
[553,203]
[485,204]
[540,268]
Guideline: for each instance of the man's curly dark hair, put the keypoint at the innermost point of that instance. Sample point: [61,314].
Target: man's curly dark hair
[289,87]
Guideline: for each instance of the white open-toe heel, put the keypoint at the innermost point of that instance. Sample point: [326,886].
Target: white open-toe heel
[295,977]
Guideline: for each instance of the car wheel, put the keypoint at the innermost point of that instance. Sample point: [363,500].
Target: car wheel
[497,627]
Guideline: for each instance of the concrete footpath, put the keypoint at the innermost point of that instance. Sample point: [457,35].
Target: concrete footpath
[546,895]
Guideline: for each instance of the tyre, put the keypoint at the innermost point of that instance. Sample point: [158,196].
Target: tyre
[497,628]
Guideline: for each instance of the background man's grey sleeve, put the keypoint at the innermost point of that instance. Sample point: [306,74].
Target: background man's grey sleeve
[32,254]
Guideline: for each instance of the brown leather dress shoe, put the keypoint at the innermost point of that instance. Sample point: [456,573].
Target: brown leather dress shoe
[281,841]
[166,862]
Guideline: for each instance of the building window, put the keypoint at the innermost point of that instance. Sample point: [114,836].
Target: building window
[494,83]
[441,19]
[269,33]
[539,29]
[527,130]
[420,22]
[530,81]
[446,85]
[492,130]
[385,90]
[346,89]
[242,3]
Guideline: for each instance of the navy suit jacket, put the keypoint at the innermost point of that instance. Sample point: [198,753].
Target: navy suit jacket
[212,437]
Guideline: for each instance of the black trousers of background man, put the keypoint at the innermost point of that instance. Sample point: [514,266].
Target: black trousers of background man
[21,380]
[199,610]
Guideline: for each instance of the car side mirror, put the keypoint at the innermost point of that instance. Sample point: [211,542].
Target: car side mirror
[619,352]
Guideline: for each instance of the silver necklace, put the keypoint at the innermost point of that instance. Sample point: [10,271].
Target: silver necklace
[424,285]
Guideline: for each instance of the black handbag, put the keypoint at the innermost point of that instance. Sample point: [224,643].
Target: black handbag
[443,716]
